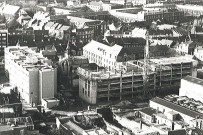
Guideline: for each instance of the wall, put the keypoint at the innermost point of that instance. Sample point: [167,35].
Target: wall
[191,90]
[47,84]
[161,108]
[83,90]
[33,87]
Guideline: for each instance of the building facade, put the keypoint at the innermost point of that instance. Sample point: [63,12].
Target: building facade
[30,73]
[191,87]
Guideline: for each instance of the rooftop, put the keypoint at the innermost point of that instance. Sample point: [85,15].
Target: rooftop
[10,9]
[149,111]
[176,107]
[27,58]
[193,80]
[82,20]
[5,128]
[173,60]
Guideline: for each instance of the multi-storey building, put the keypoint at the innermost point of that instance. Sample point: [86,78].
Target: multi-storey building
[96,85]
[144,2]
[194,10]
[165,73]
[198,53]
[3,40]
[97,25]
[84,35]
[30,73]
[191,87]
[148,14]
[169,15]
[103,55]
[121,2]
[169,71]
[99,6]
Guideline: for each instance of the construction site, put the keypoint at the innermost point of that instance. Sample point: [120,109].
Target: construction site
[145,78]
[164,76]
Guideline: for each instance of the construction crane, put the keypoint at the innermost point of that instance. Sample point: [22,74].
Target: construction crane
[146,68]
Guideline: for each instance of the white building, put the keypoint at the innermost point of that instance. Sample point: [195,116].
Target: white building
[195,10]
[121,2]
[102,55]
[29,72]
[198,52]
[139,32]
[99,6]
[184,47]
[128,17]
[192,87]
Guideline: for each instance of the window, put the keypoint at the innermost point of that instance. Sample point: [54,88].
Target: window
[83,90]
[88,94]
[22,132]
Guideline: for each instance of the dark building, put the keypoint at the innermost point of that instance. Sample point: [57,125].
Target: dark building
[171,15]
[84,35]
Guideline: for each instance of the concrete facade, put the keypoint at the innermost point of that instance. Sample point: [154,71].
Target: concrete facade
[33,78]
[192,88]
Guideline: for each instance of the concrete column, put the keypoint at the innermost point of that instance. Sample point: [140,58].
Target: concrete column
[109,83]
[160,75]
[121,85]
[154,81]
[171,75]
[132,82]
[181,69]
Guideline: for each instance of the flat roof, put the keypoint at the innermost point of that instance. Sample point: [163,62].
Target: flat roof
[50,99]
[193,80]
[176,107]
[5,128]
[173,60]
[149,111]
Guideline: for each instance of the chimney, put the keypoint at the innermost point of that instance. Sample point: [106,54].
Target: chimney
[88,108]
[140,124]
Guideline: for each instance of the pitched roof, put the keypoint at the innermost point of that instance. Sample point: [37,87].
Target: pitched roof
[177,132]
[125,41]
[49,24]
[96,3]
[98,48]
[64,28]
[10,9]
[197,131]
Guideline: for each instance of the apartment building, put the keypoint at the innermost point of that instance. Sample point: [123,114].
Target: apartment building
[84,35]
[198,53]
[3,40]
[30,73]
[148,14]
[121,2]
[99,6]
[97,25]
[194,10]
[110,57]
[186,47]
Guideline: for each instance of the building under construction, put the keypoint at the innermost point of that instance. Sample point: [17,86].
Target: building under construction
[169,71]
[98,85]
